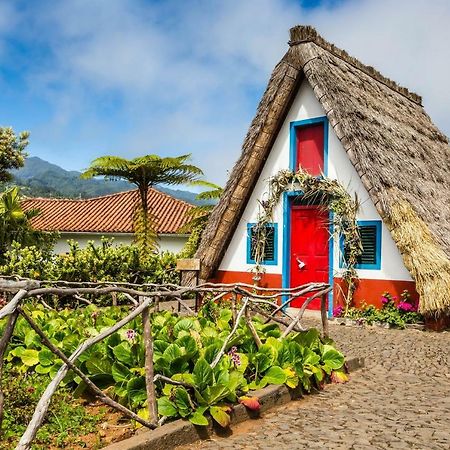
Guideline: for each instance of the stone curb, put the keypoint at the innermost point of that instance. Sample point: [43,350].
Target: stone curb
[183,432]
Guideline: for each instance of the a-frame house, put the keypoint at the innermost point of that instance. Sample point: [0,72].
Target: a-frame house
[329,113]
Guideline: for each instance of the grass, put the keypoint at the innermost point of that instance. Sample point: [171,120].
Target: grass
[66,421]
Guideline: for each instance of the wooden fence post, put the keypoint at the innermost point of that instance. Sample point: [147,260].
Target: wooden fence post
[324,314]
[189,270]
[149,371]
[3,344]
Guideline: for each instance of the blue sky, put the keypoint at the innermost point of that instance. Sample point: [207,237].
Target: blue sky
[95,77]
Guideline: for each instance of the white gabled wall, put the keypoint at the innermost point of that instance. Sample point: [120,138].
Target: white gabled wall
[306,106]
[167,242]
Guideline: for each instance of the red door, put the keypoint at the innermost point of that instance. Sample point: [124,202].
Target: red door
[309,239]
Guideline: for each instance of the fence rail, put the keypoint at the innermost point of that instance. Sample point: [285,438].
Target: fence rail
[244,300]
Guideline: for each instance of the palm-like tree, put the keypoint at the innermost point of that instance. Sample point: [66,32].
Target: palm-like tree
[15,222]
[145,172]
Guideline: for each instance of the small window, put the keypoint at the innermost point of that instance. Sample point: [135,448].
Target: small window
[270,248]
[370,232]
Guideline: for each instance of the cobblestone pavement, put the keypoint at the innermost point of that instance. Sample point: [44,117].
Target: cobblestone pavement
[400,400]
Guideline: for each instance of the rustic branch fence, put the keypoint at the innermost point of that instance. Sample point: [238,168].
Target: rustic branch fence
[244,300]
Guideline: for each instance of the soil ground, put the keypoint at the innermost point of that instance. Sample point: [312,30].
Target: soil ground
[400,400]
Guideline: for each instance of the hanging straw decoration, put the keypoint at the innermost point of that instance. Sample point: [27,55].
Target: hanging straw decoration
[327,193]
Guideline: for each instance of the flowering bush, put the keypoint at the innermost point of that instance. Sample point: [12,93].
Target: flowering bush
[394,311]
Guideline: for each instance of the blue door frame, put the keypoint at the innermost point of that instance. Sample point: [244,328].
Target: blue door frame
[288,198]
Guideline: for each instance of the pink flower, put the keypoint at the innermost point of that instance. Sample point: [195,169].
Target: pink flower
[235,358]
[130,335]
[405,307]
[337,312]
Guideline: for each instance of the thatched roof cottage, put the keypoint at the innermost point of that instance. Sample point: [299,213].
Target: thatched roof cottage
[331,114]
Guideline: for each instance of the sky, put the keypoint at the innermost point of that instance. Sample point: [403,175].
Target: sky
[132,77]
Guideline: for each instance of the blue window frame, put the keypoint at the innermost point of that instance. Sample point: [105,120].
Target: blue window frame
[293,126]
[271,248]
[370,232]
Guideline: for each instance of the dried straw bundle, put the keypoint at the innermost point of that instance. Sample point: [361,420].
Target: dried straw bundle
[426,261]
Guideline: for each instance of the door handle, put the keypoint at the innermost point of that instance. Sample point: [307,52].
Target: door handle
[301,264]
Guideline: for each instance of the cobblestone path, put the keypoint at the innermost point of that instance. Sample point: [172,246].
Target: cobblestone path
[400,400]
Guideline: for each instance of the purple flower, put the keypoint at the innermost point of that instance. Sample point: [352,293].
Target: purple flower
[385,300]
[130,335]
[337,312]
[235,358]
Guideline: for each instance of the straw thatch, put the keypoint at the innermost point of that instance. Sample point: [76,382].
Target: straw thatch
[402,158]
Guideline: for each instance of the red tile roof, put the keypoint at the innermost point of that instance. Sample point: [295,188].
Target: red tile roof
[107,214]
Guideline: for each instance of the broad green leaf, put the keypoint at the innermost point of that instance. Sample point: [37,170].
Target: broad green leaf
[143,413]
[220,415]
[30,357]
[310,358]
[198,419]
[31,339]
[96,366]
[213,394]
[332,358]
[244,363]
[123,353]
[46,357]
[295,352]
[137,393]
[211,352]
[181,400]
[275,343]
[203,374]
[17,351]
[185,377]
[184,324]
[42,369]
[309,339]
[166,407]
[172,352]
[261,361]
[275,375]
[291,378]
[159,346]
[120,373]
[188,344]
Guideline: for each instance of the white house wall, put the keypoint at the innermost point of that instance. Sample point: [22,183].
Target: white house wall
[167,242]
[306,106]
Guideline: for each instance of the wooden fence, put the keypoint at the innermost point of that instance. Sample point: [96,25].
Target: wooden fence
[245,300]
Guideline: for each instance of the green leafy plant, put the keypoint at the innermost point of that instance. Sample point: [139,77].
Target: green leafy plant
[184,349]
[104,262]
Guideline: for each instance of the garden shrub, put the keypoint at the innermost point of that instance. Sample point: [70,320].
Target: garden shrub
[104,262]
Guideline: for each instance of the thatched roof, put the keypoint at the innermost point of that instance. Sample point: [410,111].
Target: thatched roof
[400,155]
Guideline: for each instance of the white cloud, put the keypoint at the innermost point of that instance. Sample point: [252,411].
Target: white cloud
[182,76]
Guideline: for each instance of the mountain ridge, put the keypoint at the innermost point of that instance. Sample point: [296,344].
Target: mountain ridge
[40,178]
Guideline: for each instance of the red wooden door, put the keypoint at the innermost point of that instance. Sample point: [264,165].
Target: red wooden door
[310,154]
[309,239]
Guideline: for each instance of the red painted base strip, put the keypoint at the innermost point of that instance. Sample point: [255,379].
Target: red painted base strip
[368,292]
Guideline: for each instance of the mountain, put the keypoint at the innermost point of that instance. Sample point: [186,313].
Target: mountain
[39,178]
